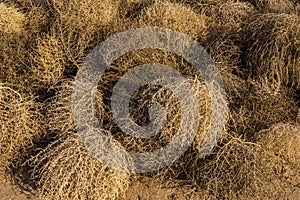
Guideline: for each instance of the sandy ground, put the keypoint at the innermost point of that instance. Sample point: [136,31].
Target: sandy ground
[139,190]
[149,190]
[9,192]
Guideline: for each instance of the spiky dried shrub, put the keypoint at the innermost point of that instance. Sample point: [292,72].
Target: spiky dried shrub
[234,170]
[135,1]
[273,6]
[88,13]
[226,52]
[80,25]
[210,8]
[284,141]
[223,16]
[39,19]
[272,48]
[253,105]
[152,94]
[11,20]
[298,117]
[20,125]
[17,48]
[229,171]
[66,170]
[297,9]
[260,106]
[175,16]
[58,109]
[243,170]
[48,60]
[234,14]
[12,23]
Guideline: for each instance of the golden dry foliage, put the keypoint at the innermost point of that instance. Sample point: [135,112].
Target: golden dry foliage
[253,105]
[297,8]
[272,43]
[259,107]
[12,24]
[244,170]
[273,6]
[11,20]
[230,170]
[226,52]
[58,109]
[222,17]
[135,1]
[298,117]
[91,13]
[38,19]
[208,7]
[43,46]
[60,120]
[20,124]
[175,16]
[17,48]
[66,170]
[284,141]
[80,25]
[153,94]
[233,14]
[49,60]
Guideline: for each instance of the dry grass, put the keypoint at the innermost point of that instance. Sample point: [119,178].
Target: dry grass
[233,14]
[229,172]
[255,45]
[16,48]
[49,60]
[226,52]
[38,19]
[284,141]
[297,8]
[89,13]
[298,117]
[149,95]
[223,16]
[273,6]
[273,48]
[66,170]
[174,16]
[20,124]
[259,107]
[12,23]
[11,20]
[58,109]
[243,170]
[80,25]
[253,105]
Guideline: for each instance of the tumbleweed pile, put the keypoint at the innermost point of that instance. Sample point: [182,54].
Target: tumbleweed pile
[20,124]
[254,44]
[273,48]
